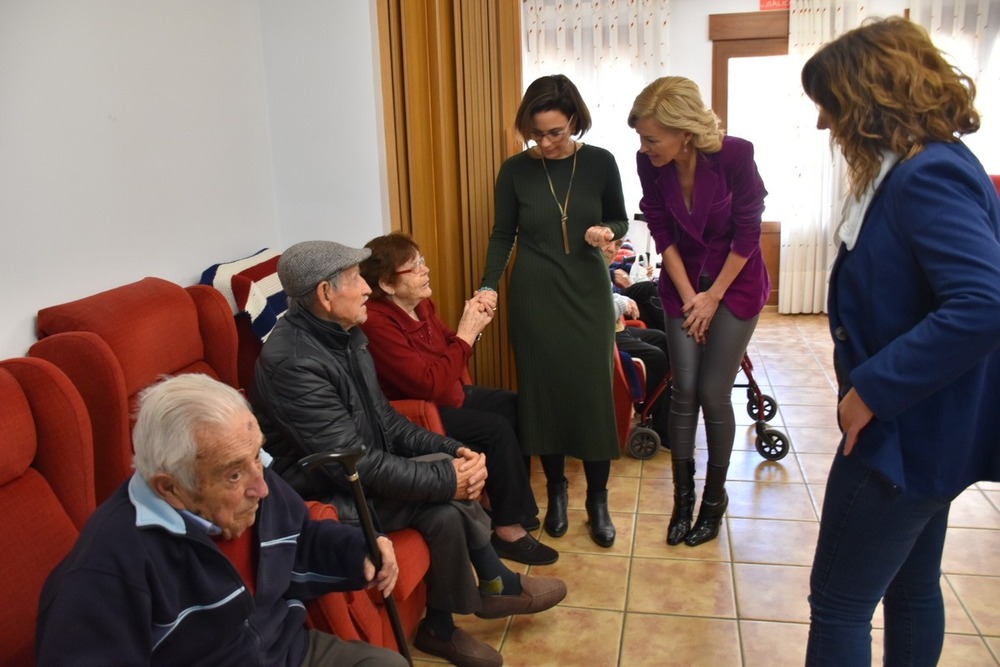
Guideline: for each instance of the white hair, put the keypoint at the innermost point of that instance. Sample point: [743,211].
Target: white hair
[171,412]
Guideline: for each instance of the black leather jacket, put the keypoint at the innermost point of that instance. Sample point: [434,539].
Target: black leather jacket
[315,389]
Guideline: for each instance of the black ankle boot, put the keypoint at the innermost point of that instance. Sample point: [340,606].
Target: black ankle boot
[713,505]
[680,518]
[556,522]
[602,531]
[706,528]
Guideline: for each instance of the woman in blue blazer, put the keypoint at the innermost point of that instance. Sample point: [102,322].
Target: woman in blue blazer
[915,315]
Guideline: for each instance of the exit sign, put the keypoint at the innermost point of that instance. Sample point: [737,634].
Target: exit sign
[773,4]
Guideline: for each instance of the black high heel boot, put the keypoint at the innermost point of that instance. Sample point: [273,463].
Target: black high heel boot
[713,505]
[556,522]
[680,518]
[602,531]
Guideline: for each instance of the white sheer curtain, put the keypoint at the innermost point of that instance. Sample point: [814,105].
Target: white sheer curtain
[807,247]
[968,31]
[610,49]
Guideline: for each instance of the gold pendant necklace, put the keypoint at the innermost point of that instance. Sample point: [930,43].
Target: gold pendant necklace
[563,207]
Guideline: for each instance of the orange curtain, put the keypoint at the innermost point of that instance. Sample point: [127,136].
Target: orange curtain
[451,83]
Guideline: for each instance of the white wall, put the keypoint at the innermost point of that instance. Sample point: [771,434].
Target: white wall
[136,139]
[690,48]
[324,100]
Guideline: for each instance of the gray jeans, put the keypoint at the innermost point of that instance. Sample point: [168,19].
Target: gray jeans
[703,377]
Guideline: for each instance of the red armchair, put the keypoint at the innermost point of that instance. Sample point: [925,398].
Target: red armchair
[114,344]
[46,491]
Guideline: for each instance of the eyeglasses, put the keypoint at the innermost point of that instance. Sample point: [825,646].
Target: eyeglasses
[415,268]
[554,135]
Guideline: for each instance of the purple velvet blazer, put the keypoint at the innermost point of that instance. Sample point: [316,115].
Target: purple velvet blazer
[725,215]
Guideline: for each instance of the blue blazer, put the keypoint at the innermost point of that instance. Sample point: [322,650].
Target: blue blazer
[915,315]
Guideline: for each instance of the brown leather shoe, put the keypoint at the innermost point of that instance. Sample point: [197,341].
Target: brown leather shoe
[537,594]
[462,649]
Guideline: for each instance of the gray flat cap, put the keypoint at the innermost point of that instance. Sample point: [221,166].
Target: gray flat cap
[305,265]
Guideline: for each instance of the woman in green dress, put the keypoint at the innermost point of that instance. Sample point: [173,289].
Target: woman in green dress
[562,201]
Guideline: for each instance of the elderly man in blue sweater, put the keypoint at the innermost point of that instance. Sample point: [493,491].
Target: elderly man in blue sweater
[204,556]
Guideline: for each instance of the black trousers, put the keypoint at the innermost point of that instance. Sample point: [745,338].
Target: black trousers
[646,295]
[451,529]
[487,423]
[650,345]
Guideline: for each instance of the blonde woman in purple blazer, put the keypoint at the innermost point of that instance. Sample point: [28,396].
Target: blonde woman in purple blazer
[703,200]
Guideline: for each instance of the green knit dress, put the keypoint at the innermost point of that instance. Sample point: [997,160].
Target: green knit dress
[561,316]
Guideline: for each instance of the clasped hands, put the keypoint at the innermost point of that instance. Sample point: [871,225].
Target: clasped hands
[476,315]
[470,474]
[699,309]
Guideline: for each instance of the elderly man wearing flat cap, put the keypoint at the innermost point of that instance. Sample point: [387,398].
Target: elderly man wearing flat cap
[315,389]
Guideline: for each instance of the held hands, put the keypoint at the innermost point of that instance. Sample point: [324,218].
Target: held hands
[470,474]
[854,415]
[597,236]
[475,316]
[700,309]
[487,297]
[387,576]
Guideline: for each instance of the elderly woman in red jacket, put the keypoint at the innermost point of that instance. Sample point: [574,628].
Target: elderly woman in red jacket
[417,356]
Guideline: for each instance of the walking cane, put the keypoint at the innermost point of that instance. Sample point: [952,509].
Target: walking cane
[349,460]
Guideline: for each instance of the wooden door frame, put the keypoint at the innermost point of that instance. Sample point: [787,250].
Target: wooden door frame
[742,35]
[746,35]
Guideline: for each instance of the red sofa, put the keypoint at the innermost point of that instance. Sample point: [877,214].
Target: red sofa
[114,344]
[46,491]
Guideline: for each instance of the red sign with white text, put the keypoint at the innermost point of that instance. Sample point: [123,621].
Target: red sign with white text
[773,4]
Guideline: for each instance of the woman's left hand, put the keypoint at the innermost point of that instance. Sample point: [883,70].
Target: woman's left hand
[597,236]
[854,415]
[700,310]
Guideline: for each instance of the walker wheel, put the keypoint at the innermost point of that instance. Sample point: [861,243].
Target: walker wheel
[770,408]
[643,443]
[772,444]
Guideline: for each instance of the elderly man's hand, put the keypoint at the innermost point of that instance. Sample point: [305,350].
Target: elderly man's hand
[632,310]
[470,474]
[387,576]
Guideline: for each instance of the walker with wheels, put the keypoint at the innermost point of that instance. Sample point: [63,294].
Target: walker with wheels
[772,444]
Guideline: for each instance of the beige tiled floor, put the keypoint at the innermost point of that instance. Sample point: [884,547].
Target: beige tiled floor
[741,599]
